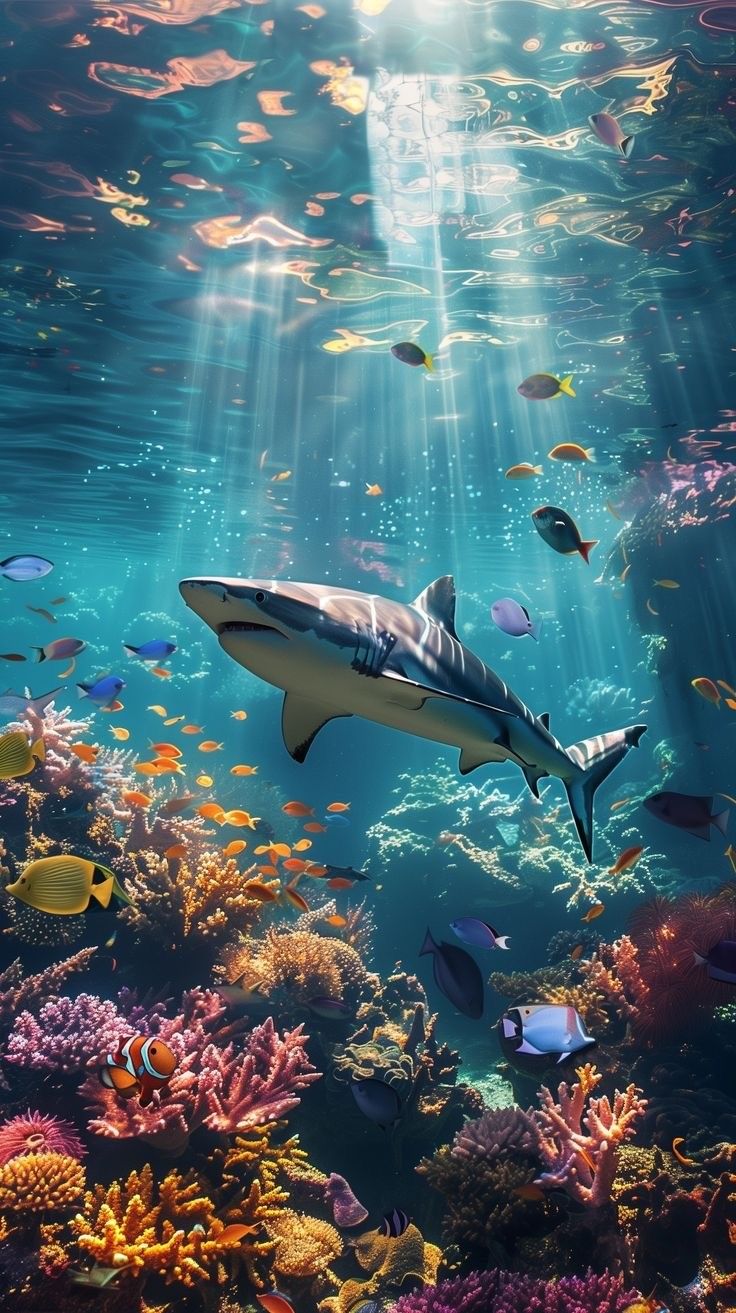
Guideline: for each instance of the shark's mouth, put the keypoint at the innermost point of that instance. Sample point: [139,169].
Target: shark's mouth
[246,627]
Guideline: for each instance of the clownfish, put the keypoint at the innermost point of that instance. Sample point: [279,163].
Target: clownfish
[139,1066]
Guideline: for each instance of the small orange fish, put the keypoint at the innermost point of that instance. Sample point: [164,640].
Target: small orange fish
[681,1158]
[338,921]
[136,799]
[279,850]
[263,892]
[731,703]
[572,451]
[268,870]
[166,750]
[531,1192]
[160,711]
[275,1303]
[241,818]
[295,898]
[85,751]
[315,871]
[297,809]
[161,672]
[302,845]
[239,715]
[620,802]
[192,729]
[205,781]
[665,583]
[314,827]
[707,689]
[211,811]
[243,770]
[145,768]
[577,952]
[117,705]
[235,1233]
[281,477]
[176,850]
[373,490]
[625,860]
[523,471]
[120,733]
[596,910]
[209,745]
[294,864]
[339,882]
[166,766]
[235,847]
[338,807]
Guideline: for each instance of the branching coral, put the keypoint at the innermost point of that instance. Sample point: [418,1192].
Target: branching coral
[18,991]
[66,1034]
[34,1133]
[390,1262]
[40,1183]
[301,964]
[510,1292]
[190,904]
[583,1161]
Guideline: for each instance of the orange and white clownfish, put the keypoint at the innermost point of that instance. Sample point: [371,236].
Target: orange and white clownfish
[139,1066]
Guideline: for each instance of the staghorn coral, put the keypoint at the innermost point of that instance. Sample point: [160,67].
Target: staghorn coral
[301,964]
[192,904]
[509,1292]
[18,991]
[583,1162]
[66,1034]
[40,1183]
[305,1246]
[34,1133]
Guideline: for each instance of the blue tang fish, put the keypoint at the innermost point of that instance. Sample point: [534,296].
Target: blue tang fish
[479,934]
[103,691]
[720,961]
[550,1030]
[456,975]
[156,649]
[377,1101]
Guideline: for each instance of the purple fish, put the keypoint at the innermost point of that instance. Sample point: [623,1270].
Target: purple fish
[514,619]
[21,569]
[103,691]
[61,649]
[720,961]
[477,933]
[456,975]
[377,1101]
[609,131]
[687,811]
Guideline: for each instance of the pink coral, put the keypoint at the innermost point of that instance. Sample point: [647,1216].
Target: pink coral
[18,990]
[32,1132]
[514,1292]
[66,1034]
[583,1161]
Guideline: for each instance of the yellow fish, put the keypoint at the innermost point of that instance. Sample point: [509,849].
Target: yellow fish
[666,583]
[241,818]
[204,781]
[120,733]
[64,885]
[237,846]
[239,715]
[160,711]
[373,490]
[243,770]
[281,477]
[18,756]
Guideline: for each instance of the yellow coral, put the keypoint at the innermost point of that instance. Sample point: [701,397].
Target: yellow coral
[257,1154]
[204,902]
[40,1182]
[305,1246]
[390,1261]
[302,963]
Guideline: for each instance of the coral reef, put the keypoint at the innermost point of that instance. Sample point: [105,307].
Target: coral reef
[40,1183]
[390,1262]
[507,1292]
[33,1132]
[297,965]
[193,905]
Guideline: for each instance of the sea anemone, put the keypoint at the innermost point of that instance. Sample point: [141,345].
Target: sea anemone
[32,1132]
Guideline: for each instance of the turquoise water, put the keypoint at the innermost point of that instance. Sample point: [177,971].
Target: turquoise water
[216,219]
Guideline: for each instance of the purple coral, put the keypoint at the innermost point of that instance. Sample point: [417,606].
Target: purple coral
[511,1292]
[507,1131]
[31,1132]
[66,1034]
[346,1209]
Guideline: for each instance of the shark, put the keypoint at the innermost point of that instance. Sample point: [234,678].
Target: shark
[338,652]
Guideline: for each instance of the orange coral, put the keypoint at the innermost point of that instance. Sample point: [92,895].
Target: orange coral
[40,1182]
[203,901]
[305,1246]
[301,962]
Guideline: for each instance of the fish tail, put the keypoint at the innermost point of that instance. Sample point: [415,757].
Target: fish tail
[502,941]
[627,145]
[130,650]
[586,548]
[535,630]
[721,819]
[566,386]
[537,469]
[595,759]
[81,690]
[699,960]
[590,453]
[429,945]
[41,654]
[38,750]
[429,363]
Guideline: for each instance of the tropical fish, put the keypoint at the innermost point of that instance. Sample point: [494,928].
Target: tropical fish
[135,798]
[394,1224]
[103,691]
[373,490]
[331,1009]
[560,532]
[609,131]
[281,477]
[264,893]
[12,656]
[166,750]
[572,451]
[686,811]
[64,885]
[523,471]
[235,847]
[293,896]
[275,1303]
[337,822]
[159,710]
[479,934]
[239,818]
[456,975]
[60,650]
[239,715]
[593,912]
[542,387]
[120,733]
[544,1030]
[514,619]
[681,1157]
[175,806]
[211,811]
[411,354]
[707,689]
[297,809]
[145,768]
[22,569]
[665,583]
[18,755]
[720,961]
[577,952]
[625,860]
[337,807]
[58,601]
[366,643]
[377,1101]
[156,649]
[139,1066]
[243,770]
[191,729]
[160,672]
[177,850]
[205,781]
[209,745]
[302,845]
[335,920]
[86,752]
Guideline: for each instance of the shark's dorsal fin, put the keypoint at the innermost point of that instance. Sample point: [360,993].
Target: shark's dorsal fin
[301,721]
[438,601]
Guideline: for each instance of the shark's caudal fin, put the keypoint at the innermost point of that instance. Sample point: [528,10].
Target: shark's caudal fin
[596,758]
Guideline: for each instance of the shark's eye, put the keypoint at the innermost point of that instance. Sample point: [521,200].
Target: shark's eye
[260,597]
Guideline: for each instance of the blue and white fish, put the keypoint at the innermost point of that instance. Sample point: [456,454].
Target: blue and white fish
[16,704]
[512,618]
[479,934]
[156,649]
[22,569]
[395,1223]
[103,691]
[544,1030]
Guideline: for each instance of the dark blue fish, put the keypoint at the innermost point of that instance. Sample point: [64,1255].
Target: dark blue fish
[411,354]
[688,811]
[21,569]
[336,822]
[344,873]
[156,649]
[479,934]
[456,975]
[377,1101]
[332,1009]
[394,1223]
[103,691]
[720,961]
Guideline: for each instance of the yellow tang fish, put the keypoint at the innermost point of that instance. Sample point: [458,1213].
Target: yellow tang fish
[18,756]
[63,886]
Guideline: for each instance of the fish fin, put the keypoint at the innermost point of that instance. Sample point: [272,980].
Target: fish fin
[627,145]
[106,1078]
[120,893]
[38,750]
[526,1047]
[130,650]
[590,453]
[595,758]
[471,759]
[566,386]
[532,775]
[103,892]
[544,719]
[81,691]
[438,602]
[40,704]
[501,941]
[535,629]
[429,363]
[429,945]
[41,654]
[721,820]
[301,721]
[412,695]
[586,548]
[700,961]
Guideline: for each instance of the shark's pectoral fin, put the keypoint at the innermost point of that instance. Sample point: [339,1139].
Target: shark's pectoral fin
[532,775]
[301,721]
[412,695]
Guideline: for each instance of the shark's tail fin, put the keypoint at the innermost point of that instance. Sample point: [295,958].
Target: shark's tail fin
[595,758]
